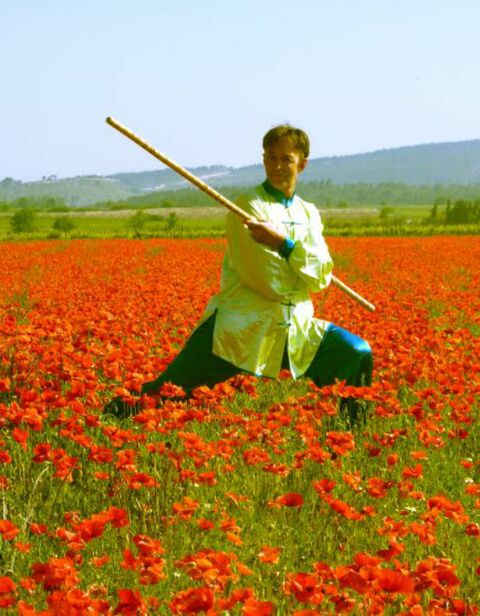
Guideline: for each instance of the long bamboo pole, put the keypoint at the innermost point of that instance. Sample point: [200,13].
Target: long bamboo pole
[217,196]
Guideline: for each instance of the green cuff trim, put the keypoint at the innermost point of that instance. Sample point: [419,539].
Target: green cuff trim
[286,247]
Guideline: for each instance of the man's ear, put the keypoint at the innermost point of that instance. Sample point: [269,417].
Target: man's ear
[302,164]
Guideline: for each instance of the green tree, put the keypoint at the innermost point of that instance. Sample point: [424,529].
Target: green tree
[172,221]
[386,211]
[434,218]
[24,221]
[64,224]
[136,222]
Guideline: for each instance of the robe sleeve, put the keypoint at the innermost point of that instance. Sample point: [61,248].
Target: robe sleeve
[310,258]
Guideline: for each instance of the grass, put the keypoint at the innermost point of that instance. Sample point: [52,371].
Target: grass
[82,318]
[304,536]
[210,222]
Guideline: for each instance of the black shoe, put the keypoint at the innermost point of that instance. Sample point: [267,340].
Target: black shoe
[121,409]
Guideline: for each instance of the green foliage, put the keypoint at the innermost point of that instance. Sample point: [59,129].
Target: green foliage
[137,222]
[60,208]
[463,212]
[24,221]
[411,221]
[72,191]
[323,193]
[434,212]
[172,221]
[47,202]
[116,207]
[386,211]
[64,224]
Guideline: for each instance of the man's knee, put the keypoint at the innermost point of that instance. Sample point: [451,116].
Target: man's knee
[362,348]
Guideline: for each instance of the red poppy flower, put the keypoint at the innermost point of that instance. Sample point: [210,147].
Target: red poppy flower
[192,601]
[305,587]
[130,603]
[394,581]
[252,607]
[292,499]
[269,555]
[8,530]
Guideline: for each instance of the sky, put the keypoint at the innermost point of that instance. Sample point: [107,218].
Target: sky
[203,80]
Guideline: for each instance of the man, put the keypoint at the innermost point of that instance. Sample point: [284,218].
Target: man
[262,319]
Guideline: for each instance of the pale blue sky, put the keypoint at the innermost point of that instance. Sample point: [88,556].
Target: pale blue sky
[202,80]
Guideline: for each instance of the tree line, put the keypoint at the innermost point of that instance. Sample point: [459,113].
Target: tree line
[461,208]
[47,203]
[25,220]
[324,194]
[459,213]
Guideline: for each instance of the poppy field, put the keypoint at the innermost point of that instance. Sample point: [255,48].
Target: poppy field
[255,497]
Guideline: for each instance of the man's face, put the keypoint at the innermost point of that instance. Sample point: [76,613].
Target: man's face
[283,162]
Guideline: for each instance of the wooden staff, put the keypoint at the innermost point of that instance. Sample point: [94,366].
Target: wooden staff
[218,197]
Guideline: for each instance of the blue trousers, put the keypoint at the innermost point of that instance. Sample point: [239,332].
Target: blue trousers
[341,355]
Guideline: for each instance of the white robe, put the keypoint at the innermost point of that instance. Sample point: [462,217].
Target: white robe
[264,298]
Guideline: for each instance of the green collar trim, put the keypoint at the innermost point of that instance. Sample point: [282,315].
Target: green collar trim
[277,194]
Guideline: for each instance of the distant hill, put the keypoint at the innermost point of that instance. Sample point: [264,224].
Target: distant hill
[438,163]
[166,179]
[78,191]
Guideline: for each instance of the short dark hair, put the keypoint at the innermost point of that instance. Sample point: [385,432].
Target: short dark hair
[297,136]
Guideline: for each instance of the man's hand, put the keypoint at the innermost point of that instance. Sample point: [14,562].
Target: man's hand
[264,233]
